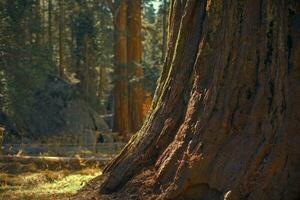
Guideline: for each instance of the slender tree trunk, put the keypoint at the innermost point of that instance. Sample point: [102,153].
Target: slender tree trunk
[37,13]
[73,58]
[86,81]
[121,93]
[2,130]
[50,25]
[61,38]
[136,73]
[225,118]
[43,21]
[100,83]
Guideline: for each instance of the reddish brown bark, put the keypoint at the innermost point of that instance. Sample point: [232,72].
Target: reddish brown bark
[134,47]
[225,118]
[121,93]
[129,89]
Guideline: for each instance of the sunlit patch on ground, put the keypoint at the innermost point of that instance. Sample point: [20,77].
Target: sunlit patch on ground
[45,185]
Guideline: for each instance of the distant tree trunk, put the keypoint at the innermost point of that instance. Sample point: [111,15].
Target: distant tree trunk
[45,35]
[100,83]
[136,73]
[50,25]
[61,37]
[2,130]
[37,14]
[43,18]
[225,118]
[86,66]
[121,93]
[89,80]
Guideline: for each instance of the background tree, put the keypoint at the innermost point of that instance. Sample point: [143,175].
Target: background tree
[73,41]
[85,50]
[61,37]
[134,59]
[129,84]
[23,56]
[121,84]
[49,25]
[225,118]
[105,51]
[153,45]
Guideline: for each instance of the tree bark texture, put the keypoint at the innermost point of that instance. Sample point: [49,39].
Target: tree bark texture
[136,75]
[129,89]
[224,122]
[121,92]
[164,29]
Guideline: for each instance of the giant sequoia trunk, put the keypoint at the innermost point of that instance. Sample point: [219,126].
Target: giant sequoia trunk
[121,94]
[225,120]
[129,89]
[134,46]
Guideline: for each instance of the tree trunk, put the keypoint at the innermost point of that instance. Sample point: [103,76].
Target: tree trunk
[136,73]
[44,22]
[61,38]
[121,96]
[2,130]
[50,25]
[224,123]
[164,29]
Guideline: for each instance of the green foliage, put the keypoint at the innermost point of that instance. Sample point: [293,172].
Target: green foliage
[152,43]
[29,50]
[26,62]
[105,51]
[92,29]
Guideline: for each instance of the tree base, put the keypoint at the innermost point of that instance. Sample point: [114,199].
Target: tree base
[225,120]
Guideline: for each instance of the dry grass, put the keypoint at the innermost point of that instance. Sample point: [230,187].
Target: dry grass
[44,185]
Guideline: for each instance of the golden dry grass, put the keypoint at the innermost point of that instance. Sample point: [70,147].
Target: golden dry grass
[44,185]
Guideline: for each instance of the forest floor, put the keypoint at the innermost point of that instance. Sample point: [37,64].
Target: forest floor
[49,176]
[45,184]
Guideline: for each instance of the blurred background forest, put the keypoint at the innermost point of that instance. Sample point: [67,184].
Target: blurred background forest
[77,78]
[69,68]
